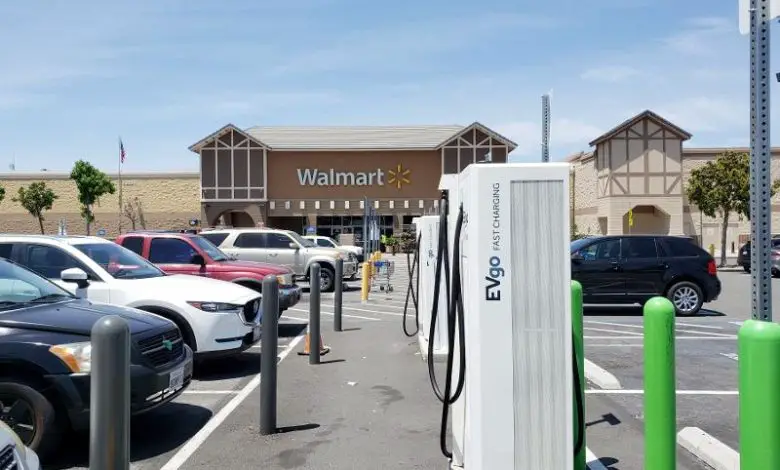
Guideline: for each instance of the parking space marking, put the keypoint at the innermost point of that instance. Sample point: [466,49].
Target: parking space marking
[593,462]
[343,314]
[210,392]
[738,323]
[681,330]
[379,312]
[733,356]
[192,445]
[708,327]
[603,330]
[709,338]
[596,391]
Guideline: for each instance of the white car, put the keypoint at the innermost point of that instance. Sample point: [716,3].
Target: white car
[13,453]
[215,317]
[327,242]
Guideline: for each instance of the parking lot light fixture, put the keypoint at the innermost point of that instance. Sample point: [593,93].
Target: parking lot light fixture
[660,385]
[759,380]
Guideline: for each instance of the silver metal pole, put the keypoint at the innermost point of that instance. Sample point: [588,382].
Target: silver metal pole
[760,162]
[545,128]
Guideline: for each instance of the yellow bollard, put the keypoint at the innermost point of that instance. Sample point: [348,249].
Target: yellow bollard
[712,249]
[364,282]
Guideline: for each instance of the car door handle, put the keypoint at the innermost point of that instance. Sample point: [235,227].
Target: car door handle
[273,254]
[616,266]
[663,265]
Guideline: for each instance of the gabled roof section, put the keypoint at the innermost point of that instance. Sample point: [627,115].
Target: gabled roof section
[219,133]
[329,138]
[647,114]
[484,129]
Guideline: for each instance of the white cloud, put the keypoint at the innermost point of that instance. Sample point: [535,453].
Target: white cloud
[702,35]
[564,133]
[610,73]
[707,113]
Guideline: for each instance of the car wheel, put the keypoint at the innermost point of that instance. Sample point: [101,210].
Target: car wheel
[31,416]
[686,297]
[327,280]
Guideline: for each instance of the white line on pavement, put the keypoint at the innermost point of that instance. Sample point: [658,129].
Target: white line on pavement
[709,327]
[211,392]
[192,445]
[642,327]
[731,356]
[342,314]
[616,345]
[711,338]
[679,392]
[603,330]
[593,462]
[379,312]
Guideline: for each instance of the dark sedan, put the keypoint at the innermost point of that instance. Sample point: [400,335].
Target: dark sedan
[46,358]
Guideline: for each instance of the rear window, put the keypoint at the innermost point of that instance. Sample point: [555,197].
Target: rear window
[215,238]
[681,247]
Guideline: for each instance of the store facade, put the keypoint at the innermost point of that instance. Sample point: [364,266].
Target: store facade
[320,179]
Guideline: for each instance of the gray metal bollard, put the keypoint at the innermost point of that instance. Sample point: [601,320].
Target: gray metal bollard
[314,315]
[337,294]
[109,417]
[270,345]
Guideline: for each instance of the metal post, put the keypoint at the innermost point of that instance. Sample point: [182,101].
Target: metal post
[760,162]
[759,410]
[365,225]
[545,128]
[660,385]
[339,287]
[109,440]
[270,345]
[314,315]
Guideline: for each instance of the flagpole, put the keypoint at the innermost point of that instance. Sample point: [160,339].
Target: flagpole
[121,151]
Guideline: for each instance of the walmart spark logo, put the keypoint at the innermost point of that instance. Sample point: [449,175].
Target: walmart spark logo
[399,176]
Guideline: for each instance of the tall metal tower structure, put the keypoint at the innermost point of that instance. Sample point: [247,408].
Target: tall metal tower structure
[546,127]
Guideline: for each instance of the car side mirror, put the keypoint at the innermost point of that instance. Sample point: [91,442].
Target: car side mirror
[294,246]
[76,276]
[576,257]
[198,259]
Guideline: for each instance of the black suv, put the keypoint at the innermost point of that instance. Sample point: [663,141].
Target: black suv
[630,269]
[743,257]
[45,358]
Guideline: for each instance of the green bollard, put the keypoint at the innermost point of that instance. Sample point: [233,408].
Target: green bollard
[660,385]
[759,382]
[579,348]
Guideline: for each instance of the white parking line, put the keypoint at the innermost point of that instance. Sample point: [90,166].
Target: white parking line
[677,329]
[710,338]
[210,392]
[731,356]
[192,445]
[596,391]
[603,330]
[342,314]
[708,327]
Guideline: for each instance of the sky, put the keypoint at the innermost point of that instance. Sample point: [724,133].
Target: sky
[162,74]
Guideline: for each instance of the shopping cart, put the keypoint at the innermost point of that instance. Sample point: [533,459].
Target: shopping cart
[383,270]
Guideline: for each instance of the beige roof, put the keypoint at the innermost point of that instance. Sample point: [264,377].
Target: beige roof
[415,137]
[357,137]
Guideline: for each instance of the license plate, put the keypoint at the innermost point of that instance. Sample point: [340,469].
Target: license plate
[256,334]
[176,379]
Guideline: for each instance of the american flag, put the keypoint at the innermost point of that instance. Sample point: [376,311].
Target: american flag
[121,151]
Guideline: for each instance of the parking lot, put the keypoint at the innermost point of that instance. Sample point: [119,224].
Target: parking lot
[706,375]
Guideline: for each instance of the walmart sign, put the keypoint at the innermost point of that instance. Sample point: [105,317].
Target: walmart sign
[332,177]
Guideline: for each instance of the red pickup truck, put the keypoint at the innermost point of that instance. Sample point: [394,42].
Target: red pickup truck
[184,253]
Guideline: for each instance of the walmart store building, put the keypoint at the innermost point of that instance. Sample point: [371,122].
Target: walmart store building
[299,177]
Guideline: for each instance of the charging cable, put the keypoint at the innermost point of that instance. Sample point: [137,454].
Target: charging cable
[413,288]
[580,408]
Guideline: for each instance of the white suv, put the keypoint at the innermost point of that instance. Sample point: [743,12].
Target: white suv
[215,317]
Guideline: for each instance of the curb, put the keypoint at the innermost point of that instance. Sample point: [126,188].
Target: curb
[708,449]
[601,377]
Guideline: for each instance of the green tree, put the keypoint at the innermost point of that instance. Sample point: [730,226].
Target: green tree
[2,193]
[92,184]
[722,188]
[36,199]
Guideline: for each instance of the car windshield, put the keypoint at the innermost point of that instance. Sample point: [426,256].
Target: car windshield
[118,261]
[211,249]
[332,241]
[303,241]
[19,287]
[576,245]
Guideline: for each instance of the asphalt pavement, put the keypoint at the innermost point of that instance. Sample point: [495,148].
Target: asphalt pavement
[192,432]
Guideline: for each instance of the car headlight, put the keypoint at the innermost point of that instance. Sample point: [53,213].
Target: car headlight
[284,279]
[217,307]
[77,356]
[20,447]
